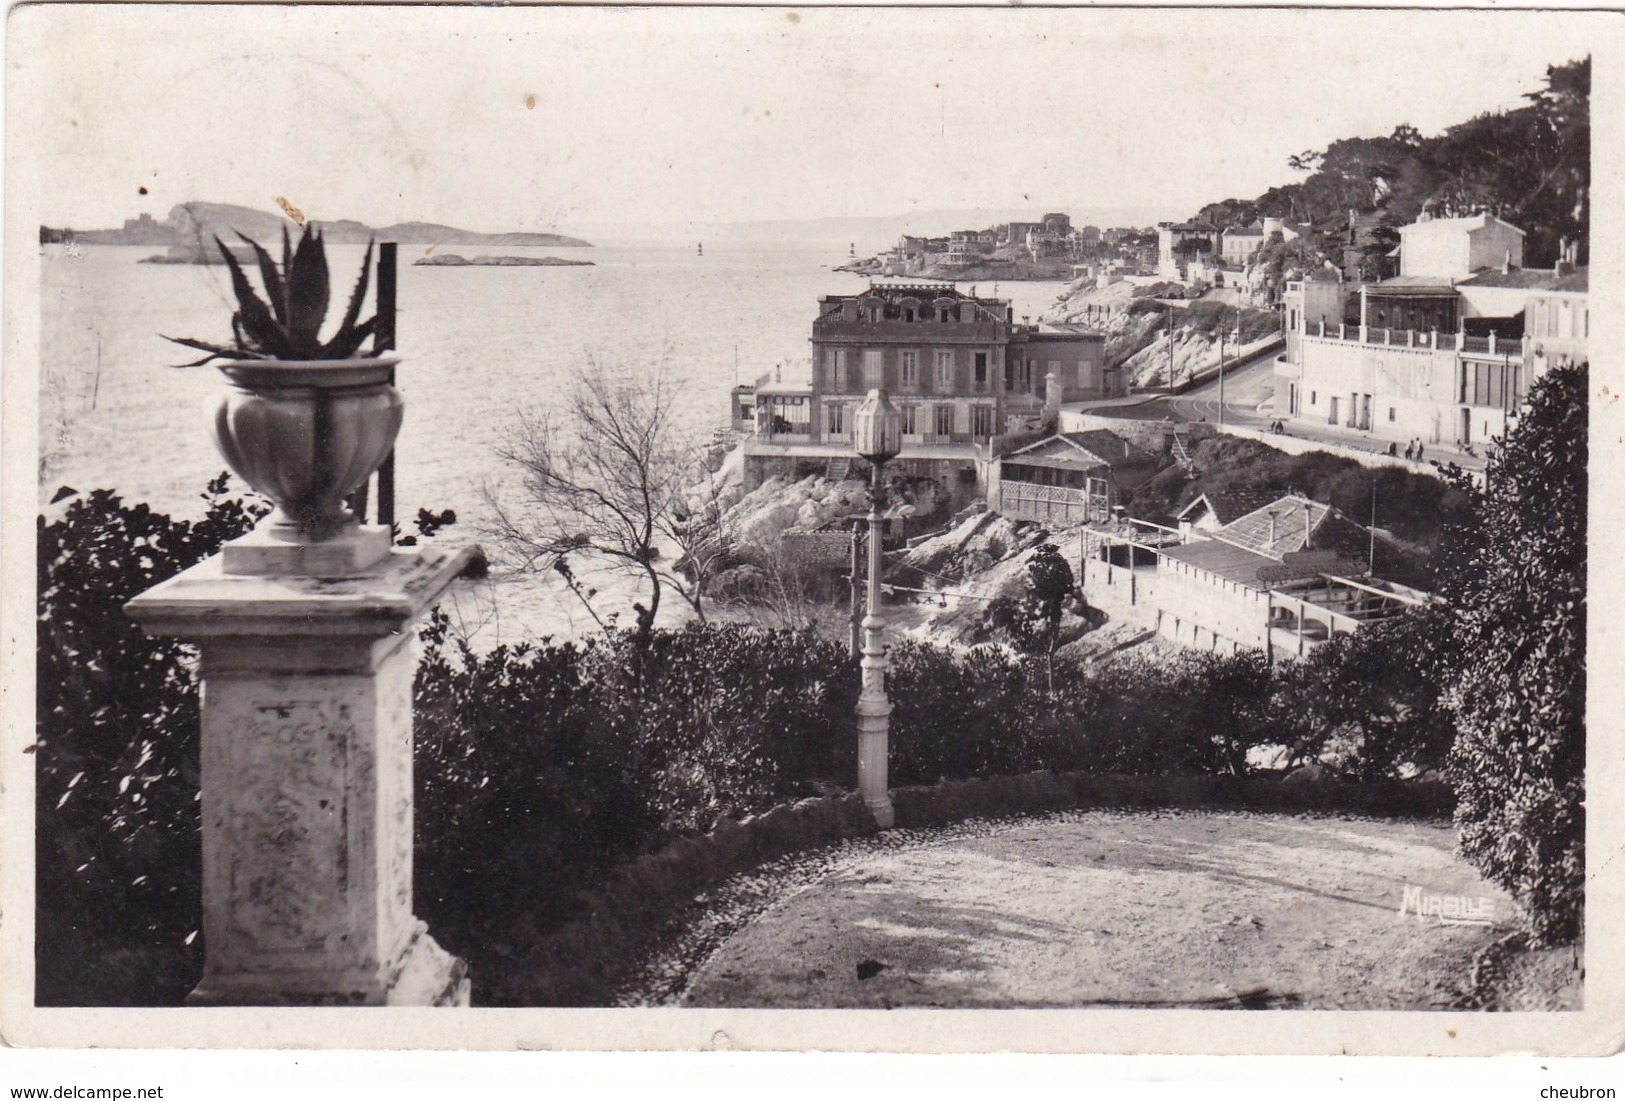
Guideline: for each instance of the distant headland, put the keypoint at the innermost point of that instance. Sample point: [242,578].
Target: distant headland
[452,260]
[189,229]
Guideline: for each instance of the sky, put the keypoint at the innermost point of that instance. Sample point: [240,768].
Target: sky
[578,119]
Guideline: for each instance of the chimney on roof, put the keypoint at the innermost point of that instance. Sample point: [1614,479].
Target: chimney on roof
[1051,417]
[1506,263]
[1272,526]
[1308,531]
[1566,251]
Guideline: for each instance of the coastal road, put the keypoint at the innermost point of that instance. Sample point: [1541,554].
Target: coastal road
[1248,387]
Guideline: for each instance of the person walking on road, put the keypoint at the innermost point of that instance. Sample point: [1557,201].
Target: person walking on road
[1410,450]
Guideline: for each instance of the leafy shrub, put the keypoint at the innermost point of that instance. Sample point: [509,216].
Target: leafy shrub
[1519,687]
[116,755]
[564,760]
[1368,705]
[1191,713]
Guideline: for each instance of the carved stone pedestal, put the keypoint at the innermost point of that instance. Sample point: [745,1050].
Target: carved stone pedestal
[307,782]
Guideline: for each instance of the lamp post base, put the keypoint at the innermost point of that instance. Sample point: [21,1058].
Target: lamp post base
[873,780]
[885,814]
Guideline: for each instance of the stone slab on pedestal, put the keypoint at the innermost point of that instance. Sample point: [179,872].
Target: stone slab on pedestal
[260,553]
[307,781]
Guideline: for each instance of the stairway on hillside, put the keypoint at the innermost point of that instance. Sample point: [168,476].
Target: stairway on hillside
[1181,449]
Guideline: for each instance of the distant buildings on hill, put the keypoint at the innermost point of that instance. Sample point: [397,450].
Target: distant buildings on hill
[1052,239]
[1200,254]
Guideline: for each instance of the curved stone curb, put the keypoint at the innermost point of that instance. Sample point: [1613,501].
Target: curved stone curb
[584,962]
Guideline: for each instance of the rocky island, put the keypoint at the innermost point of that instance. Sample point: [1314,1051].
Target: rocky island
[452,260]
[190,228]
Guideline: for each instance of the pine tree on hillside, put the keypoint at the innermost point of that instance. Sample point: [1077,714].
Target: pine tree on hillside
[1530,166]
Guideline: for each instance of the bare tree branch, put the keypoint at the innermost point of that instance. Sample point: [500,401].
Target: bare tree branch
[605,476]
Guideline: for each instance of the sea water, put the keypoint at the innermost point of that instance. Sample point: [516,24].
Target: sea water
[479,346]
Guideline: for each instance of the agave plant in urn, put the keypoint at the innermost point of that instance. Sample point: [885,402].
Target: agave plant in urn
[303,420]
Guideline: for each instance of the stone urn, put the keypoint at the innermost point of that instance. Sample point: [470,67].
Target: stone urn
[307,434]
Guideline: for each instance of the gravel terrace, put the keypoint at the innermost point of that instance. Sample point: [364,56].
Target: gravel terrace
[1089,908]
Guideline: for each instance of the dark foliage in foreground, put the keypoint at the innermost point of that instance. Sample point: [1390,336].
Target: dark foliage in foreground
[116,755]
[1518,696]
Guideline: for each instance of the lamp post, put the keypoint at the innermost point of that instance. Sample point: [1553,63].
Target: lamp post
[877,435]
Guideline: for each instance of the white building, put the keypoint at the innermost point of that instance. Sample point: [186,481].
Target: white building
[1440,354]
[1454,248]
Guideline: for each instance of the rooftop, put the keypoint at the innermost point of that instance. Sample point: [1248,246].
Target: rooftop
[1411,286]
[1472,221]
[1230,505]
[1066,328]
[1545,279]
[1229,562]
[1080,449]
[925,291]
[1295,517]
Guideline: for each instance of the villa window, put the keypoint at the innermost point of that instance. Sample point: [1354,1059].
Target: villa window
[910,416]
[874,370]
[836,419]
[945,420]
[910,369]
[981,420]
[945,372]
[834,367]
[980,361]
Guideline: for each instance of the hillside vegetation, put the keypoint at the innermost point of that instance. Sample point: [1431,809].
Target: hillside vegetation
[1530,166]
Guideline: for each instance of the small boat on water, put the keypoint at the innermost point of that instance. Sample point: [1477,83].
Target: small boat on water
[702,248]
